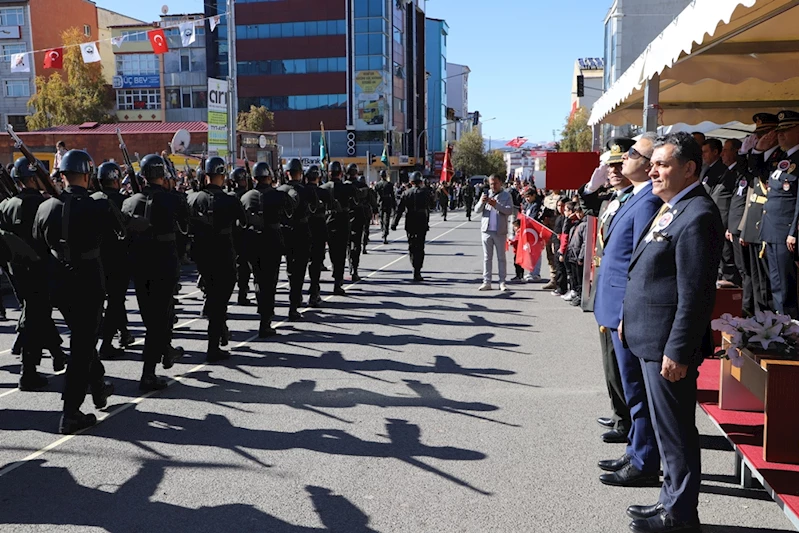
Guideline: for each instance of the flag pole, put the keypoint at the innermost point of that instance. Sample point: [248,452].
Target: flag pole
[233,99]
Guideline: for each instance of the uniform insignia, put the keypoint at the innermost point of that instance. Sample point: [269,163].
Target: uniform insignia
[786,186]
[742,184]
[791,168]
[664,221]
[784,165]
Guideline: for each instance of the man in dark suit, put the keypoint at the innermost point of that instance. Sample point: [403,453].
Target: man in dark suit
[741,180]
[713,167]
[640,463]
[671,291]
[722,194]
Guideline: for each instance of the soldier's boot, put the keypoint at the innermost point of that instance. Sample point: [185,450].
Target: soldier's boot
[385,239]
[101,392]
[31,380]
[338,290]
[108,351]
[215,353]
[125,338]
[315,300]
[243,300]
[59,359]
[294,314]
[224,337]
[74,422]
[265,329]
[417,275]
[172,355]
[150,382]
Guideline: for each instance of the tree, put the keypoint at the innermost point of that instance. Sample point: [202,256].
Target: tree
[470,157]
[495,164]
[577,135]
[80,95]
[257,119]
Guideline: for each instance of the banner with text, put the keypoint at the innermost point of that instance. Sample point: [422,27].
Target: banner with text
[217,117]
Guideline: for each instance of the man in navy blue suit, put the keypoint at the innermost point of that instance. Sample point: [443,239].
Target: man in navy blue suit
[639,466]
[671,290]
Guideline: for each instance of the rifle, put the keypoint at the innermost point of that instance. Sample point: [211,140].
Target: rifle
[7,186]
[41,172]
[134,180]
[170,164]
[247,168]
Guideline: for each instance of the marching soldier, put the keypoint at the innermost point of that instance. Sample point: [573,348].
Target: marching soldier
[213,214]
[369,210]
[357,220]
[467,195]
[417,201]
[388,202]
[114,255]
[443,199]
[263,240]
[338,223]
[70,228]
[318,227]
[154,215]
[297,235]
[239,177]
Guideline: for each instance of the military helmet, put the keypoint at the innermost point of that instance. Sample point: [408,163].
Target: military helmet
[313,172]
[238,174]
[215,166]
[153,167]
[352,169]
[261,169]
[76,161]
[294,166]
[23,169]
[109,171]
[335,168]
[416,177]
[383,174]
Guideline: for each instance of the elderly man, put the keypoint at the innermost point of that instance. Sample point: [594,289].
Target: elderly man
[671,290]
[495,205]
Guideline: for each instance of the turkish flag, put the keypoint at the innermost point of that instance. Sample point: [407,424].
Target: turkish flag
[518,142]
[447,172]
[533,237]
[54,58]
[158,40]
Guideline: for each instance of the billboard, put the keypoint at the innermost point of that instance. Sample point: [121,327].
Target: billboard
[217,117]
[152,81]
[371,107]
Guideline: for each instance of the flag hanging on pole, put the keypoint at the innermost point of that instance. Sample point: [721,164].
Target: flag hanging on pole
[447,172]
[323,146]
[117,41]
[158,40]
[187,33]
[54,58]
[533,237]
[214,22]
[384,157]
[90,53]
[20,63]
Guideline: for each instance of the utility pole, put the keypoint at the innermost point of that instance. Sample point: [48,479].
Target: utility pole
[233,98]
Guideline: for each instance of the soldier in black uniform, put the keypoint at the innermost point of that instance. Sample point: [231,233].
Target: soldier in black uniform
[153,217]
[369,210]
[443,198]
[213,213]
[70,229]
[417,201]
[387,200]
[114,255]
[318,226]
[467,195]
[239,177]
[338,223]
[357,220]
[264,207]
[36,329]
[297,234]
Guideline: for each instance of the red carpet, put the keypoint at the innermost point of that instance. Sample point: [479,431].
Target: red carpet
[745,430]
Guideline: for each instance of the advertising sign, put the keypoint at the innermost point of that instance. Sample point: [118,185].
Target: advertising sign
[217,117]
[152,81]
[370,102]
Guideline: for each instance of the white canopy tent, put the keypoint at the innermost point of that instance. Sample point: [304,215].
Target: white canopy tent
[718,61]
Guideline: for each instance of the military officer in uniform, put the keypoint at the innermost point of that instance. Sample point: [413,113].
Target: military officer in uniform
[357,220]
[778,225]
[297,235]
[153,217]
[387,200]
[114,254]
[70,228]
[213,214]
[417,201]
[338,223]
[264,206]
[369,210]
[467,195]
[318,226]
[239,177]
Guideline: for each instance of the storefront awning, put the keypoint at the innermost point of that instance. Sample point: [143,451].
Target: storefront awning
[718,61]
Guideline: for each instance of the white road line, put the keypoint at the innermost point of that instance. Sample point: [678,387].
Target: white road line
[124,407]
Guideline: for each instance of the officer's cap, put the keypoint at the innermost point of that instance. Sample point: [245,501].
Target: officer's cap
[765,122]
[788,119]
[618,147]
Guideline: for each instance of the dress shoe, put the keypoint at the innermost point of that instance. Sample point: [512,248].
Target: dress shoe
[629,476]
[642,512]
[664,523]
[217,355]
[32,381]
[605,422]
[75,422]
[338,290]
[614,436]
[126,339]
[151,382]
[614,465]
[172,355]
[101,392]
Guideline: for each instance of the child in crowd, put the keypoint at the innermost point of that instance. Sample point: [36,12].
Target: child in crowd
[563,225]
[513,241]
[575,255]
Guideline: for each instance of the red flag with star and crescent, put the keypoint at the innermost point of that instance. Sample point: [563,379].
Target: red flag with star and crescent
[158,40]
[533,237]
[54,58]
[447,172]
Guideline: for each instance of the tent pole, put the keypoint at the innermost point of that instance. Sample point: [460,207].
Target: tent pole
[652,103]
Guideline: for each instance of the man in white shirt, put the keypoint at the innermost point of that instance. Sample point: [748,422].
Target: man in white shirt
[495,205]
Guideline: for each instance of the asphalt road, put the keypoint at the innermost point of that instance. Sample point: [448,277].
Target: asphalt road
[401,407]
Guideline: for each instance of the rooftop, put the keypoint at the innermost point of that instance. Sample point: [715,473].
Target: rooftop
[94,128]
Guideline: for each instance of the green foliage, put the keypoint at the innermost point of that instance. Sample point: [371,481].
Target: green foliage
[80,95]
[495,164]
[470,156]
[257,119]
[577,135]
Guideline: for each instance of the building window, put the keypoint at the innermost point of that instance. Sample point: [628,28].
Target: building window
[139,99]
[11,49]
[18,122]
[134,36]
[291,66]
[87,30]
[12,16]
[186,97]
[17,88]
[296,102]
[136,64]
[291,29]
[397,35]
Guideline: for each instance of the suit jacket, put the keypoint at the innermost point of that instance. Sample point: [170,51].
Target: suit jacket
[503,208]
[712,176]
[632,218]
[740,195]
[671,284]
[722,193]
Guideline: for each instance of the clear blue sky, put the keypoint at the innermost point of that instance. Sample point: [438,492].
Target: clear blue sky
[521,53]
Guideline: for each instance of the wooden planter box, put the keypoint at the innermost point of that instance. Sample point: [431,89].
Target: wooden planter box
[768,384]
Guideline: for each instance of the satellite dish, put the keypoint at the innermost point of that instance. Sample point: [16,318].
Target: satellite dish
[180,142]
[164,9]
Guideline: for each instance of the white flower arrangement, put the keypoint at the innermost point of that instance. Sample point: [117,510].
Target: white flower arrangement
[765,328]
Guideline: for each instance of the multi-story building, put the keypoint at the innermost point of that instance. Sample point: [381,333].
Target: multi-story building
[169,87]
[355,65]
[436,64]
[106,19]
[457,80]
